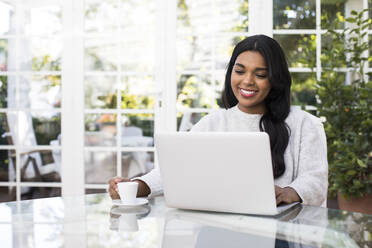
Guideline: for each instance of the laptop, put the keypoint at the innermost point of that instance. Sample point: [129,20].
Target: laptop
[218,171]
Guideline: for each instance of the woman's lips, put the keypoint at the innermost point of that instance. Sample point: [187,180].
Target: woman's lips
[247,93]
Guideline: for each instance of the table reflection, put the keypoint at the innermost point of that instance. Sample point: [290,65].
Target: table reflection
[93,221]
[125,219]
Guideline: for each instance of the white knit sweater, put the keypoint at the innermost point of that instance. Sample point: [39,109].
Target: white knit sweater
[305,156]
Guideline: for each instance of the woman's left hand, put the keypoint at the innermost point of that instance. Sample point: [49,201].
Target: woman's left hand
[286,195]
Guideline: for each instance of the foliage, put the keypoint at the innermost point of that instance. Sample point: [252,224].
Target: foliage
[183,16]
[128,100]
[303,14]
[193,92]
[301,49]
[303,89]
[347,108]
[243,10]
[46,62]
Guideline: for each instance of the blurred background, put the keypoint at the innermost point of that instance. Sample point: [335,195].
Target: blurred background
[84,84]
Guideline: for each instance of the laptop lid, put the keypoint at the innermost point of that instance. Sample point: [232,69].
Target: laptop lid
[217,171]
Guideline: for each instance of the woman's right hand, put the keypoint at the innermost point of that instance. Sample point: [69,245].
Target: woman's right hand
[143,189]
[113,188]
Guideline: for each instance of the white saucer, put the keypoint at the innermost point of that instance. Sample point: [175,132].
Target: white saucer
[138,202]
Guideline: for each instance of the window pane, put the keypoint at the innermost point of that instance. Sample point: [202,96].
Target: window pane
[195,91]
[40,91]
[329,43]
[370,50]
[8,128]
[300,50]
[224,48]
[101,55]
[101,16]
[208,16]
[7,92]
[195,17]
[7,55]
[220,85]
[41,54]
[136,163]
[39,128]
[137,52]
[7,61]
[231,15]
[145,9]
[7,18]
[294,14]
[194,53]
[137,36]
[137,130]
[7,165]
[370,12]
[39,192]
[3,55]
[100,166]
[100,92]
[100,130]
[45,20]
[303,89]
[7,194]
[137,92]
[41,166]
[185,121]
[333,14]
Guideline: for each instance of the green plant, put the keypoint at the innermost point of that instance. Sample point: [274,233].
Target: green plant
[345,100]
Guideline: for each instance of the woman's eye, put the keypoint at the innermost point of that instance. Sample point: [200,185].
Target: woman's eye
[261,76]
[239,72]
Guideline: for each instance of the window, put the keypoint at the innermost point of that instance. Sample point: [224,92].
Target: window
[30,86]
[85,84]
[207,31]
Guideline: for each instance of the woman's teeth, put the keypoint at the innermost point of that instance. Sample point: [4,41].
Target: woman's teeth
[247,92]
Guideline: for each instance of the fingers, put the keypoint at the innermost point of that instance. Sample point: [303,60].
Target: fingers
[113,188]
[278,200]
[113,182]
[286,195]
[113,194]
[278,190]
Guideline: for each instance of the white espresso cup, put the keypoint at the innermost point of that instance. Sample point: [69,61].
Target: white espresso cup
[128,192]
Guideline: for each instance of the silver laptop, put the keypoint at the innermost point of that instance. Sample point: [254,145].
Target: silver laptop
[218,171]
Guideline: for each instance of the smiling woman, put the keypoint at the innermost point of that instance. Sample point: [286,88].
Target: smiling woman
[257,99]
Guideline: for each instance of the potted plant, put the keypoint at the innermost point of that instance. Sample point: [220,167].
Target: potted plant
[345,100]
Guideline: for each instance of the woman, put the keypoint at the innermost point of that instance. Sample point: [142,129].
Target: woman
[257,98]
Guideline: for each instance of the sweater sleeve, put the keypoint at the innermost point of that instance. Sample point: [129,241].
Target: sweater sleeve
[311,182]
[153,181]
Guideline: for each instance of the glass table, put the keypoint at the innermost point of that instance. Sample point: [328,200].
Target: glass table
[93,221]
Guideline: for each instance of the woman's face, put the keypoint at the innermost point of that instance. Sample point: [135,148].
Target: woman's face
[250,82]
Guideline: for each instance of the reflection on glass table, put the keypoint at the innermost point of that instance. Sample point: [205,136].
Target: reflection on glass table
[93,221]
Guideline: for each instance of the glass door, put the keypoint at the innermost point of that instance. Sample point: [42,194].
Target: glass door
[30,102]
[119,90]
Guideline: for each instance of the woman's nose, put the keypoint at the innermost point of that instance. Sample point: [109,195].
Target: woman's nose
[248,79]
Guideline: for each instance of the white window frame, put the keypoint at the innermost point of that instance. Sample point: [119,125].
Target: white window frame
[17,36]
[165,111]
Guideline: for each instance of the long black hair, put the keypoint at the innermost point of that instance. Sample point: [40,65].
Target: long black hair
[277,102]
